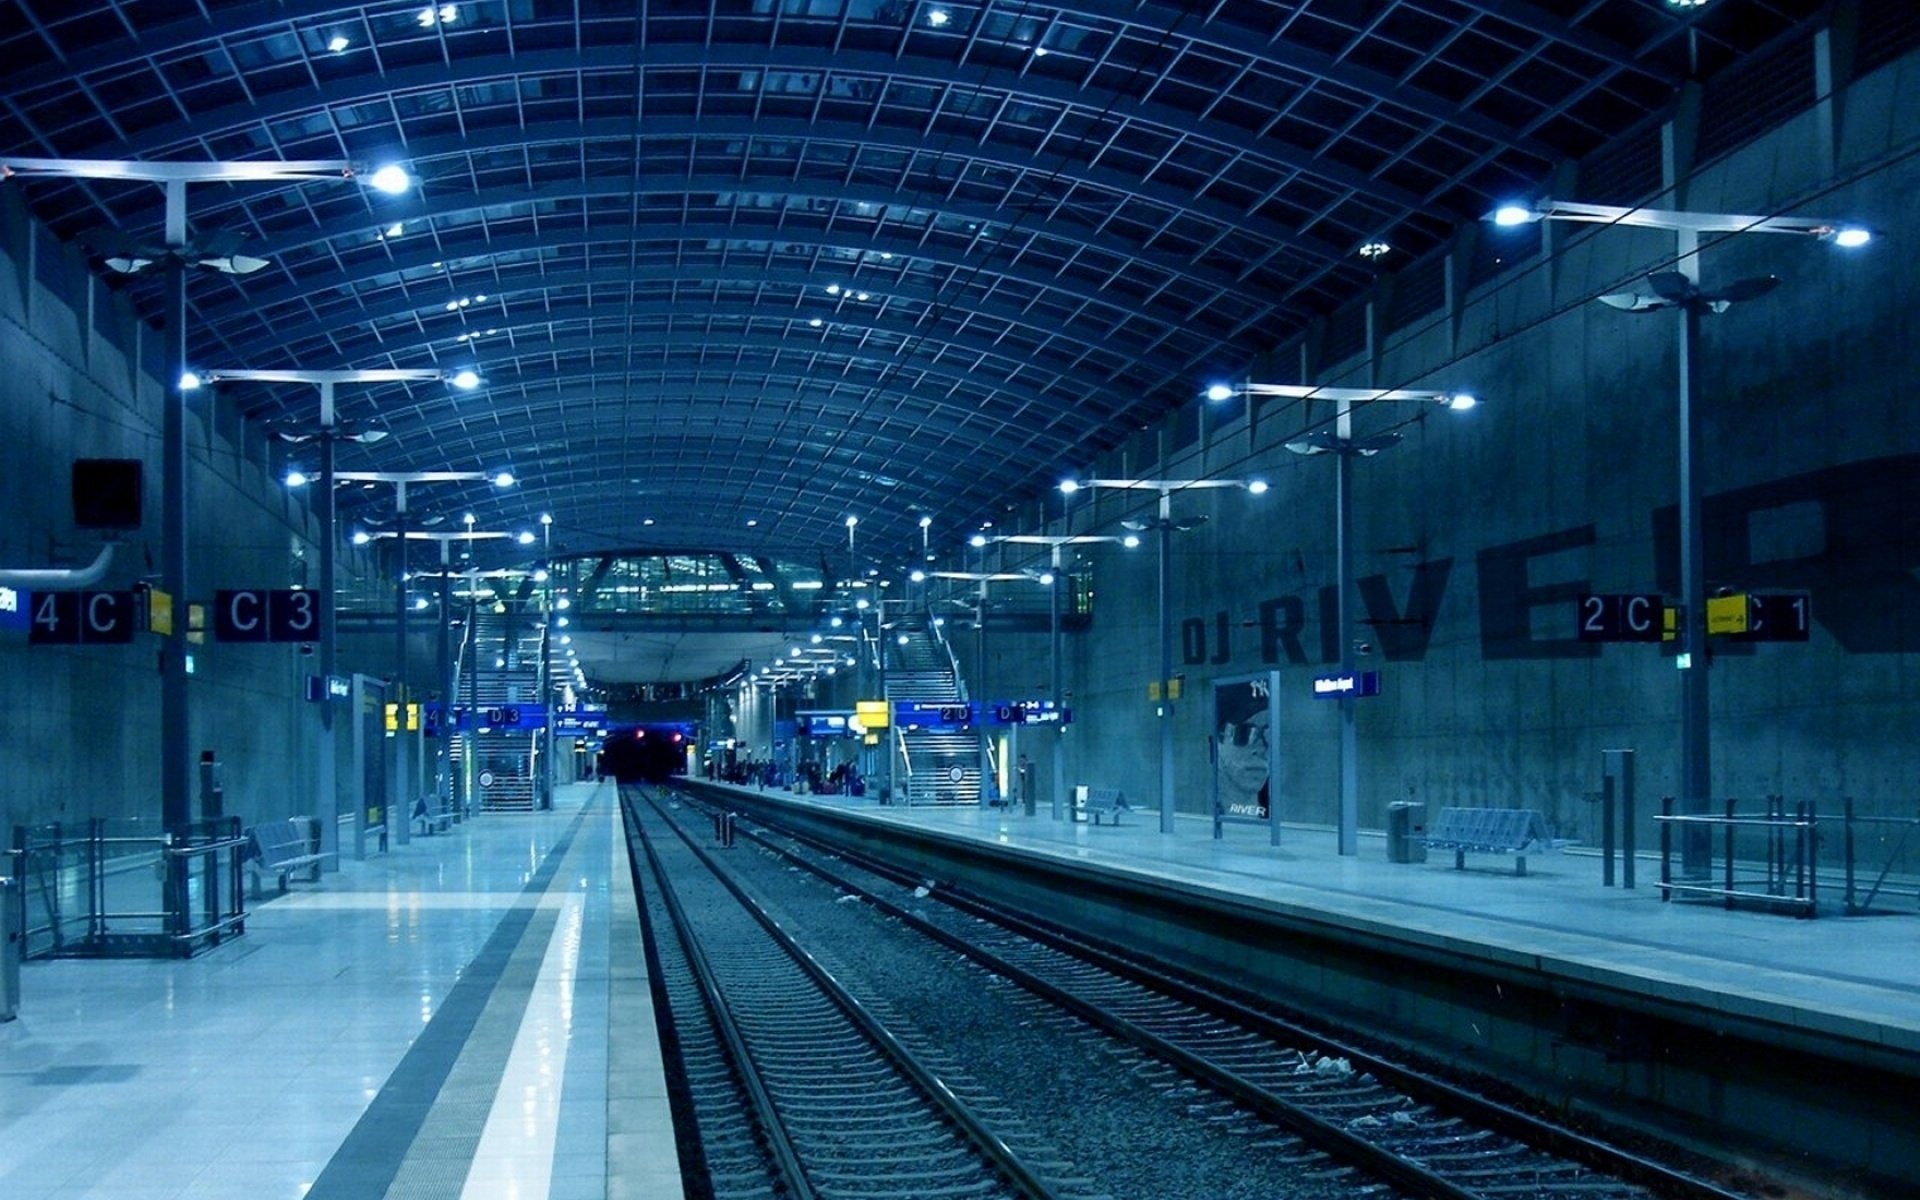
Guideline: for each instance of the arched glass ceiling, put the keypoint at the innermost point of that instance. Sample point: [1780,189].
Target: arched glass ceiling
[782,261]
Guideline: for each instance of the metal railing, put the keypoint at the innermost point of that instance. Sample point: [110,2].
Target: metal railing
[1884,882]
[1780,873]
[125,889]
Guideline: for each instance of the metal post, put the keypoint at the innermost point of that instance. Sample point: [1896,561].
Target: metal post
[1059,700]
[1695,743]
[1617,813]
[886,735]
[328,809]
[469,742]
[1606,819]
[1349,835]
[176,767]
[546,668]
[443,749]
[980,685]
[1166,663]
[399,820]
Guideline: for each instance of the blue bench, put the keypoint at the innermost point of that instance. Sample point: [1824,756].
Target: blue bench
[1515,831]
[1104,801]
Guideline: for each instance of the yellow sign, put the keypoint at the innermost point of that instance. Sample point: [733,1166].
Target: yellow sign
[159,612]
[393,718]
[1727,614]
[871,714]
[1669,623]
[196,623]
[1153,691]
[1173,689]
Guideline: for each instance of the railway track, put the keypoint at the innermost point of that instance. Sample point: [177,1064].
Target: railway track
[1335,1117]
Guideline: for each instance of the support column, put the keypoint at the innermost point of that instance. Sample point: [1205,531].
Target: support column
[327,809]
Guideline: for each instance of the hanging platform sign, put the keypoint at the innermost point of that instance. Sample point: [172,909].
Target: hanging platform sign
[1359,683]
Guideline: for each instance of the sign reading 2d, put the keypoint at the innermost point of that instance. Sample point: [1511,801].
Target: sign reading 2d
[69,618]
[266,615]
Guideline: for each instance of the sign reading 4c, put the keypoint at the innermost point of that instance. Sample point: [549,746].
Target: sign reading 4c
[266,615]
[70,618]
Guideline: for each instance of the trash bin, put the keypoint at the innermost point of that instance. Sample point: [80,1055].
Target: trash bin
[10,938]
[1406,832]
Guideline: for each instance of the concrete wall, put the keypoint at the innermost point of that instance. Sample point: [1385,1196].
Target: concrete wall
[79,726]
[1477,531]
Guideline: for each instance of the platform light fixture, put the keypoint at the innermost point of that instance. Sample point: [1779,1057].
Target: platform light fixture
[1056,543]
[174,252]
[1680,290]
[1164,524]
[1345,446]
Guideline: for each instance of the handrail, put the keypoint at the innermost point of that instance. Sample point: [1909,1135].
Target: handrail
[953,662]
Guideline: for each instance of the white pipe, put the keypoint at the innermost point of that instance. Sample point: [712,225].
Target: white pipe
[59,578]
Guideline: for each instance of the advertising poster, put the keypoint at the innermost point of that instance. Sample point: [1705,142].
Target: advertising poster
[1244,720]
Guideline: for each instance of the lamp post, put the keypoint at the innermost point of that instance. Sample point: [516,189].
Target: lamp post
[1056,543]
[1345,447]
[174,253]
[983,578]
[329,432]
[400,480]
[1164,524]
[546,657]
[1679,289]
[443,773]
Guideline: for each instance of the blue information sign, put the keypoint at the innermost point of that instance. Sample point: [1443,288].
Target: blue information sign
[1360,683]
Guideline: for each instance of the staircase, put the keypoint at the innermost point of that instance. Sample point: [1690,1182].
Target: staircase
[503,661]
[936,766]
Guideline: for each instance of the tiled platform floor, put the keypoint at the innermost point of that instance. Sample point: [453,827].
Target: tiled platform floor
[434,1022]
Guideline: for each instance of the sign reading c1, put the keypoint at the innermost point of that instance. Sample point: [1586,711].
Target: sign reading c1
[266,615]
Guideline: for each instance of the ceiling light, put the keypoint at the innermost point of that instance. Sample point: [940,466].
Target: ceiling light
[977,540]
[1515,214]
[1257,486]
[360,537]
[503,479]
[1852,237]
[751,522]
[189,380]
[296,479]
[1069,486]
[1216,393]
[524,538]
[1461,401]
[1374,250]
[392,180]
[938,18]
[833,289]
[814,323]
[648,521]
[338,42]
[861,296]
[1131,541]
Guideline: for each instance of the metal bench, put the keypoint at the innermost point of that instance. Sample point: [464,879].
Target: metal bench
[1515,831]
[1104,801]
[279,848]
[430,817]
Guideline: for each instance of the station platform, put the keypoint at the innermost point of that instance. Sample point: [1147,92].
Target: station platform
[467,1015]
[1857,976]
